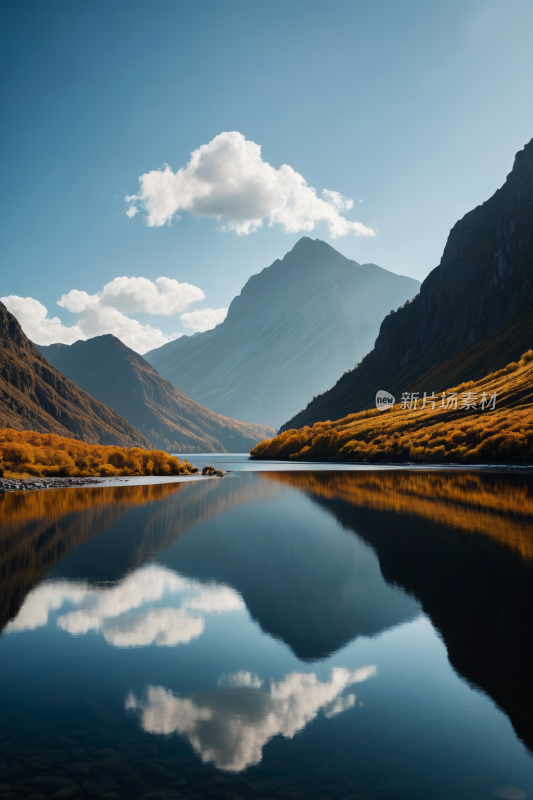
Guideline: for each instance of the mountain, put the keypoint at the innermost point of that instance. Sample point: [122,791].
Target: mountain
[490,423]
[117,376]
[474,313]
[292,331]
[36,396]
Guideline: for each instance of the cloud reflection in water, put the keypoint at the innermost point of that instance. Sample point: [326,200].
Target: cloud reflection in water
[112,612]
[231,725]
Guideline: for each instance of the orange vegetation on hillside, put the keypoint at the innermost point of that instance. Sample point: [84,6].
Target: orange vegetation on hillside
[28,453]
[482,503]
[446,433]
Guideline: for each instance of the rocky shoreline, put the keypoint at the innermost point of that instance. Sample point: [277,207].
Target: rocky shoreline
[26,484]
[23,484]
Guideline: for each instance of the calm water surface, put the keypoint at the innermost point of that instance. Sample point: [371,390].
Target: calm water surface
[317,634]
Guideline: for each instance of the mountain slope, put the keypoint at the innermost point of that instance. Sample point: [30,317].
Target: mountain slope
[488,421]
[123,380]
[35,396]
[474,313]
[295,327]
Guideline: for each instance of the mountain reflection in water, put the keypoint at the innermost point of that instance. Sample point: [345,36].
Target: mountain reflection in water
[161,566]
[497,505]
[477,589]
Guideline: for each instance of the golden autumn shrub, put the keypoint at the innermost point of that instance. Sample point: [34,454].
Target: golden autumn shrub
[27,453]
[440,435]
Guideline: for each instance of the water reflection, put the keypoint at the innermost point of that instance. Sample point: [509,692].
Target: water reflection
[317,559]
[39,530]
[306,581]
[112,612]
[230,726]
[462,544]
[499,506]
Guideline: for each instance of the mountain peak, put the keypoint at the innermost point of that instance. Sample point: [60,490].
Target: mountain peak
[524,157]
[306,243]
[294,328]
[115,374]
[473,314]
[38,397]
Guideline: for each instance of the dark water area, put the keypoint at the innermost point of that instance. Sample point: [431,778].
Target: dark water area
[281,634]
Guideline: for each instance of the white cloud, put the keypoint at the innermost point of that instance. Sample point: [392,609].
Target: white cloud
[117,612]
[338,200]
[230,726]
[227,179]
[108,310]
[241,678]
[132,210]
[162,296]
[204,319]
[36,323]
[162,626]
[215,600]
[76,301]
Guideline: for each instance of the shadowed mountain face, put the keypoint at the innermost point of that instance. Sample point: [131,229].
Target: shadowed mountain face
[474,313]
[293,330]
[36,396]
[116,375]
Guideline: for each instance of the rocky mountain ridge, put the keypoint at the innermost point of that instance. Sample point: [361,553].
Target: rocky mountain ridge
[473,315]
[36,396]
[119,377]
[294,328]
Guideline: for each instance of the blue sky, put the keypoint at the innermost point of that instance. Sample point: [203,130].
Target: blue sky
[415,108]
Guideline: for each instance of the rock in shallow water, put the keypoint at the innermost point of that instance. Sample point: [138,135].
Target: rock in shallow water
[212,471]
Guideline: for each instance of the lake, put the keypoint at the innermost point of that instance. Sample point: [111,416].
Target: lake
[290,633]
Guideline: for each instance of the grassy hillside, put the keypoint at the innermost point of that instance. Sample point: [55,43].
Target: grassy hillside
[444,434]
[27,453]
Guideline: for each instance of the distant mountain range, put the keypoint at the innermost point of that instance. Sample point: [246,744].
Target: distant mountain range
[117,376]
[474,313]
[292,331]
[36,396]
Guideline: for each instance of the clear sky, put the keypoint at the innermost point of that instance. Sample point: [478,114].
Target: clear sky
[416,108]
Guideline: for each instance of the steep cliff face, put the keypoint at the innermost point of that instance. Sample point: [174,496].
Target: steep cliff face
[117,376]
[35,396]
[295,327]
[474,313]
